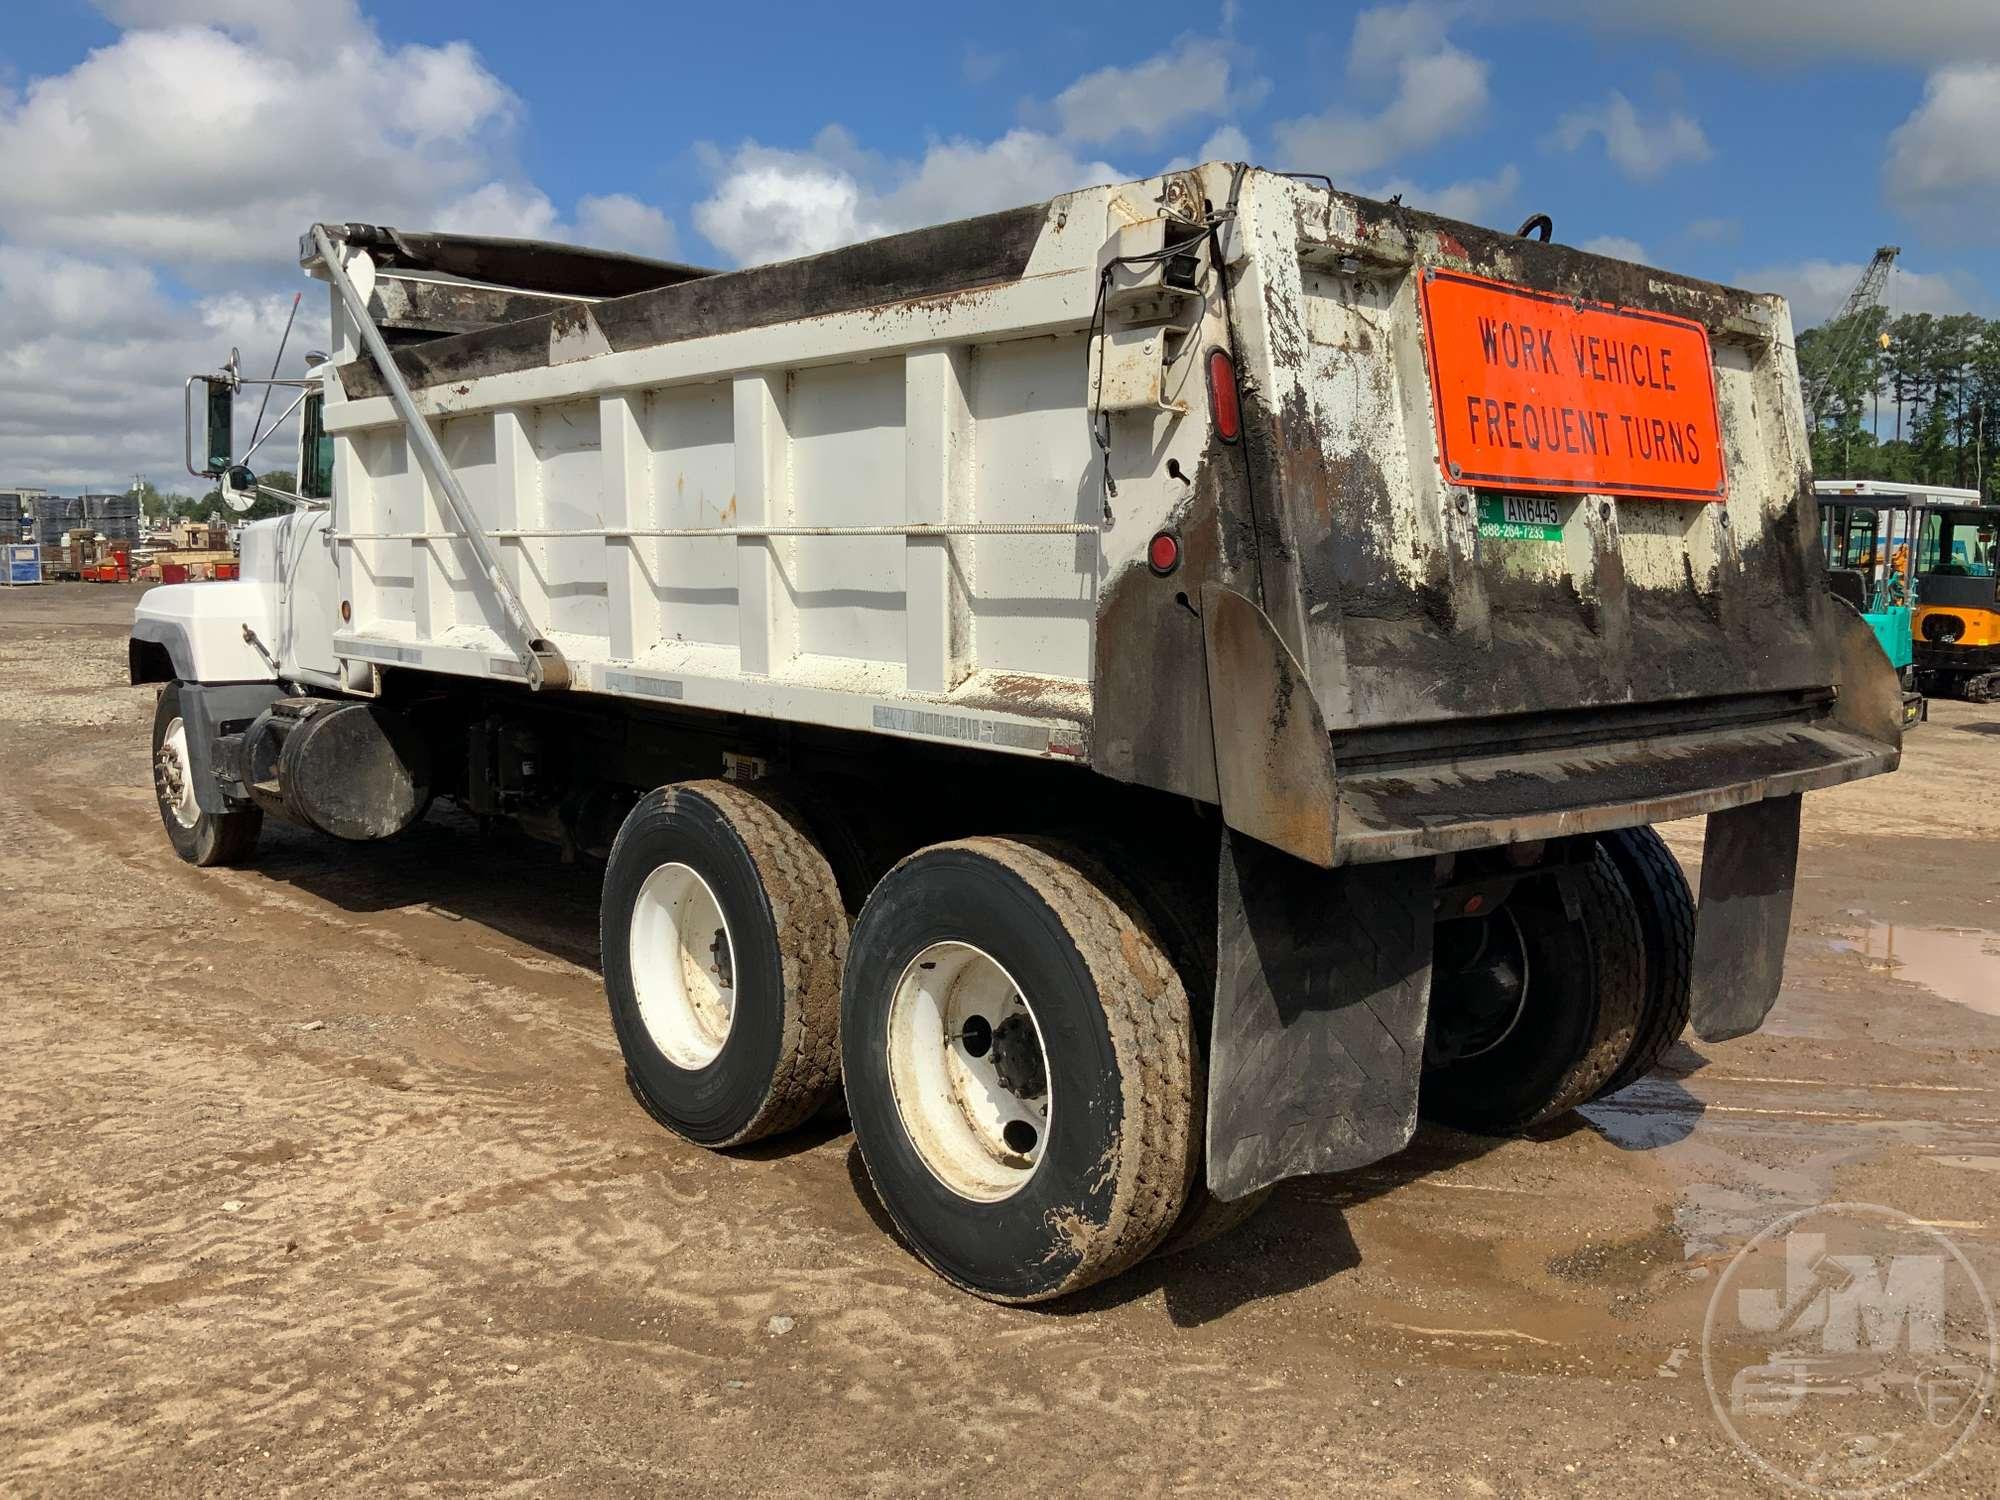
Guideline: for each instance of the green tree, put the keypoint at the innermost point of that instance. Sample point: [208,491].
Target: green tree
[264,507]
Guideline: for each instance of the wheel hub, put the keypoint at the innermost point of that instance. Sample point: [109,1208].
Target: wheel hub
[683,966]
[1479,987]
[1017,1058]
[969,1071]
[170,775]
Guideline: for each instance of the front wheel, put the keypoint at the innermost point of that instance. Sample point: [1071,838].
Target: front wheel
[1019,1062]
[199,837]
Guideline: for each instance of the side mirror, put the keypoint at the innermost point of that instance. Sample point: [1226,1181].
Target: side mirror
[219,401]
[239,488]
[221,425]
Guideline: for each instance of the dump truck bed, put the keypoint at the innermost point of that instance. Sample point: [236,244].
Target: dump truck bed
[911,487]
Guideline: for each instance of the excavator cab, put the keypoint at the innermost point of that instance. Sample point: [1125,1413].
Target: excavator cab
[1956,625]
[1866,530]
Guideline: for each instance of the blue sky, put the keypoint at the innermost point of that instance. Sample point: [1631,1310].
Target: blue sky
[162,155]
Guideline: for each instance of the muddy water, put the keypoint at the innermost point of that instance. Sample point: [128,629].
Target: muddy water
[1955,963]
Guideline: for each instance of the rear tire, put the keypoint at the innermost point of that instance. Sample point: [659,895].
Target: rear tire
[1577,1016]
[1665,906]
[723,936]
[1180,903]
[199,837]
[1019,1062]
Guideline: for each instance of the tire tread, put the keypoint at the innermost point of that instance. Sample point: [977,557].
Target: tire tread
[1666,911]
[1146,1015]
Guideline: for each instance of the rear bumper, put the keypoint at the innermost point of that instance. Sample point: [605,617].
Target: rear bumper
[1461,803]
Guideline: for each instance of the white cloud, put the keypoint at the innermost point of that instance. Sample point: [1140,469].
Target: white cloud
[92,355]
[1435,91]
[1471,200]
[193,150]
[1226,143]
[1641,149]
[290,29]
[1818,288]
[1946,157]
[1190,81]
[502,208]
[1778,32]
[1618,247]
[201,145]
[773,205]
[1387,34]
[618,221]
[770,204]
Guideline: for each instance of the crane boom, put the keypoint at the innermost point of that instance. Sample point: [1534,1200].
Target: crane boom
[1867,292]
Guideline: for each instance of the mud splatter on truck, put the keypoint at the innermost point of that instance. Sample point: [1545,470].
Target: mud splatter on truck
[1147,692]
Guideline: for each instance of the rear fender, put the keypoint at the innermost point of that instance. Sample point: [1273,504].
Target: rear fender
[1273,759]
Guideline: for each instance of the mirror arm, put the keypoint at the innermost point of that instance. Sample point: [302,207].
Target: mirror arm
[282,416]
[297,502]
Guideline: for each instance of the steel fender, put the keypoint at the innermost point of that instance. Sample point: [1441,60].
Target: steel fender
[1871,691]
[167,634]
[205,708]
[1273,759]
[1322,990]
[1749,862]
[202,626]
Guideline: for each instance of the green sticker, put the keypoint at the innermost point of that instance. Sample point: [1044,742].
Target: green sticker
[1519,518]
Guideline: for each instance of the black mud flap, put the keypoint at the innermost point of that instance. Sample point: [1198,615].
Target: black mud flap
[1322,985]
[1748,863]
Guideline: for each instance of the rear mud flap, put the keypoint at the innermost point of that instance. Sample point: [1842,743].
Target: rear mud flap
[1748,864]
[1322,988]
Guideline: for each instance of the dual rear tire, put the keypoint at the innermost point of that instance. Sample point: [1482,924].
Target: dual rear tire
[1021,1060]
[1020,1067]
[1018,1052]
[1568,992]
[722,936]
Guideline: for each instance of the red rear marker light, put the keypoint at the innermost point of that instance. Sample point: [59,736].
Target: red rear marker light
[1163,553]
[1223,404]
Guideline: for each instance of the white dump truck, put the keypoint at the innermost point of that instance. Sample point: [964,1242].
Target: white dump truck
[1146,694]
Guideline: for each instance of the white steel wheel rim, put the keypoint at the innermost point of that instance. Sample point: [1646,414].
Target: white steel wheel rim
[683,965]
[969,1071]
[171,777]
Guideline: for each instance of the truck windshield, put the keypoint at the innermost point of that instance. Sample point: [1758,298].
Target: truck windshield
[315,451]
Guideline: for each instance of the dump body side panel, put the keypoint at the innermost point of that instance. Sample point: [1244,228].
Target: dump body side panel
[857,490]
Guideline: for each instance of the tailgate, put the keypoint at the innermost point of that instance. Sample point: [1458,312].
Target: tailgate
[1525,480]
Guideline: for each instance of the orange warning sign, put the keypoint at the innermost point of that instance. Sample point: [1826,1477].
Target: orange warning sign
[1537,391]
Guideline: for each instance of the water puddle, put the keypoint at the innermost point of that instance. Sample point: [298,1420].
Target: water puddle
[1957,963]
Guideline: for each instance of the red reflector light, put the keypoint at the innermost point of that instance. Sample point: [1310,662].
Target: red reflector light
[1223,404]
[1163,553]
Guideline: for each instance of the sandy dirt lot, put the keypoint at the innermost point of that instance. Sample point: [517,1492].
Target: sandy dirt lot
[322,1176]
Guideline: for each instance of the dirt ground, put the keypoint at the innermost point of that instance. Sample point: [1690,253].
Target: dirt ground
[322,1175]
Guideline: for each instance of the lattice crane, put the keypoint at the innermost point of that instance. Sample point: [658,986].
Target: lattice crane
[1867,292]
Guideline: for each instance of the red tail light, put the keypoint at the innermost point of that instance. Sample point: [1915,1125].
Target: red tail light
[1223,404]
